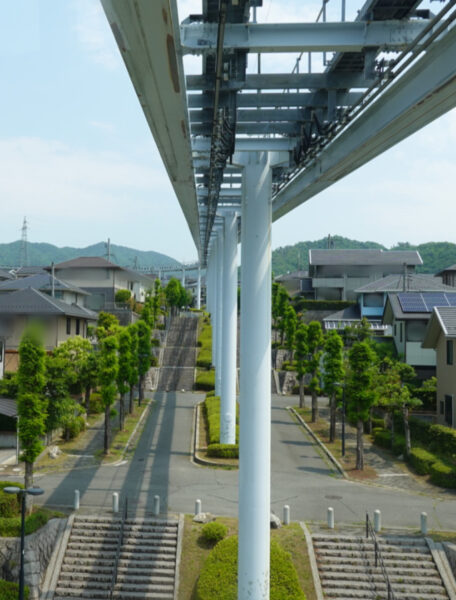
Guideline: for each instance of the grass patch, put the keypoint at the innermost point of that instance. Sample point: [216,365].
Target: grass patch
[120,438]
[195,550]
[11,526]
[10,591]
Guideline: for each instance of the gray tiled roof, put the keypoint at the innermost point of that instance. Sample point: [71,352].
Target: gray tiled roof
[452,268]
[40,281]
[398,312]
[443,320]
[447,316]
[8,407]
[364,257]
[350,313]
[33,302]
[29,270]
[84,262]
[413,283]
[5,275]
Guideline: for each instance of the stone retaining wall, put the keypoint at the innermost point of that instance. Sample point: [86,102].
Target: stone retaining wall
[38,550]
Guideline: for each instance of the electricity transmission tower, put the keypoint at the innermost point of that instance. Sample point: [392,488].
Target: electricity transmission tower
[23,259]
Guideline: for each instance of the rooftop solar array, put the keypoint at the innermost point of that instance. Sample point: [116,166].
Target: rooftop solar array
[425,302]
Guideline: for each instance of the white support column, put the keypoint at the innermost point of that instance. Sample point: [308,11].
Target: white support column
[198,289]
[219,310]
[212,291]
[229,332]
[255,380]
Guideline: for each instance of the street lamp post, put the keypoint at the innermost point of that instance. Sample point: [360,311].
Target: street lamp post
[32,491]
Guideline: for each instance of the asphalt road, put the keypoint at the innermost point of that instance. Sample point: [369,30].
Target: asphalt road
[300,477]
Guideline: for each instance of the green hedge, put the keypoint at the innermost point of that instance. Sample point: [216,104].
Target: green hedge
[443,474]
[333,305]
[204,360]
[421,460]
[9,503]
[205,381]
[218,578]
[211,408]
[223,450]
[382,437]
[11,526]
[10,591]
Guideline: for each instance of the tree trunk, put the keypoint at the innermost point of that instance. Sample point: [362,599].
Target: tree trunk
[408,441]
[332,418]
[107,429]
[359,445]
[121,411]
[130,401]
[87,399]
[141,390]
[28,478]
[392,430]
[314,406]
[369,422]
[301,392]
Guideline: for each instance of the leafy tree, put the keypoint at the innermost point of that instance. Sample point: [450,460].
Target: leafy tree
[122,296]
[282,304]
[144,350]
[107,374]
[315,341]
[358,332]
[301,354]
[291,322]
[133,373]
[360,396]
[107,324]
[173,294]
[157,301]
[61,408]
[31,403]
[333,373]
[75,351]
[89,377]
[146,313]
[123,372]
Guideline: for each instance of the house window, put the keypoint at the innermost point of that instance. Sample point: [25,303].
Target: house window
[449,410]
[400,331]
[449,352]
[442,407]
[78,326]
[68,326]
[395,330]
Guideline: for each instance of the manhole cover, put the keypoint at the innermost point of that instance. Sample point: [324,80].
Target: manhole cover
[332,497]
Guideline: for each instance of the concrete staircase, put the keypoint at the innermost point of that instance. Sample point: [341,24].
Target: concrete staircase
[146,567]
[177,369]
[347,569]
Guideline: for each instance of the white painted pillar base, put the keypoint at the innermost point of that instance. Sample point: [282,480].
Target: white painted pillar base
[255,381]
[229,333]
[219,309]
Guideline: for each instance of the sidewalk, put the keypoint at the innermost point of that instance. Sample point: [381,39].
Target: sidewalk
[389,470]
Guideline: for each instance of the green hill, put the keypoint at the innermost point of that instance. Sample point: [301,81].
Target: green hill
[436,255]
[43,254]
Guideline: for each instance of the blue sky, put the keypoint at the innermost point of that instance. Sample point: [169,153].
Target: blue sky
[79,161]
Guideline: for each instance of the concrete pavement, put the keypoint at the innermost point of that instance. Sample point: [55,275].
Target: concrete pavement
[300,477]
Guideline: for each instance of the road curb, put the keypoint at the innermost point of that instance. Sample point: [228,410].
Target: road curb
[331,457]
[312,562]
[195,456]
[56,560]
[133,433]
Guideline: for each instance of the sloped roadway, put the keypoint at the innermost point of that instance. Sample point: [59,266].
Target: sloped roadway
[300,476]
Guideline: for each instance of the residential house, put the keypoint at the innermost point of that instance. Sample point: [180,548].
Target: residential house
[60,320]
[102,279]
[408,314]
[47,284]
[441,337]
[27,271]
[297,282]
[448,275]
[336,274]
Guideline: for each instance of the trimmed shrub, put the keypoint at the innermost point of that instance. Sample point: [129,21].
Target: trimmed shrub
[218,578]
[210,393]
[212,412]
[421,460]
[443,474]
[10,590]
[214,532]
[95,403]
[382,437]
[75,426]
[443,439]
[10,504]
[333,305]
[205,380]
[223,450]
[398,444]
[378,423]
[204,360]
[122,296]
[11,526]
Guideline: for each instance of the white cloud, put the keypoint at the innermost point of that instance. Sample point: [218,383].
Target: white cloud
[93,33]
[103,126]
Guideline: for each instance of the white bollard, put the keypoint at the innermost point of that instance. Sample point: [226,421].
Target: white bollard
[156,505]
[76,499]
[331,517]
[424,523]
[115,502]
[377,521]
[286,514]
[198,507]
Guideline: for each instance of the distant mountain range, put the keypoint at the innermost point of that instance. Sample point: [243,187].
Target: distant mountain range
[436,255]
[44,254]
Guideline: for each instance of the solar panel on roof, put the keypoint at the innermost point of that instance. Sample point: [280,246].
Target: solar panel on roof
[412,303]
[432,299]
[451,299]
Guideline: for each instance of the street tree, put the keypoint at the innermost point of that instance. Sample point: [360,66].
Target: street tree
[107,374]
[61,407]
[173,294]
[315,342]
[359,392]
[144,353]
[89,376]
[31,402]
[282,303]
[291,322]
[133,373]
[333,373]
[123,371]
[157,299]
[301,354]
[75,351]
